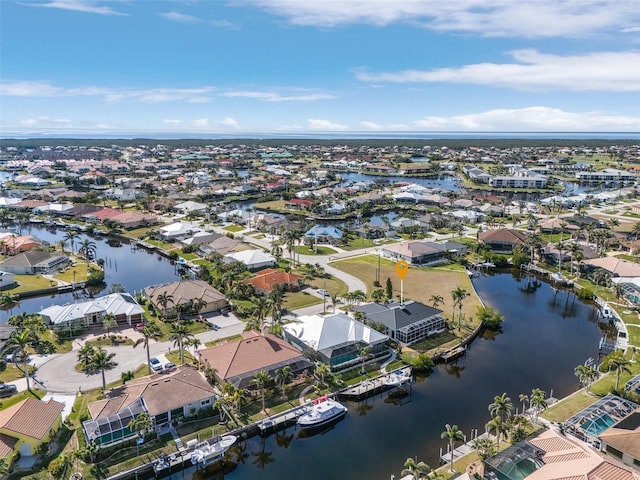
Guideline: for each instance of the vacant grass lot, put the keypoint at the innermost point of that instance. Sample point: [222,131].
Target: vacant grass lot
[295,300]
[319,250]
[419,284]
[27,283]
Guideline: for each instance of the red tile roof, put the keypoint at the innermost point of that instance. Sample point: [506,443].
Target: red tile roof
[269,278]
[31,417]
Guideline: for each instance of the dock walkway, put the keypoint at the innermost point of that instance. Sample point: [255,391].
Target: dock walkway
[371,386]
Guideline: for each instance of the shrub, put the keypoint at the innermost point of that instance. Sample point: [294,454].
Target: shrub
[423,363]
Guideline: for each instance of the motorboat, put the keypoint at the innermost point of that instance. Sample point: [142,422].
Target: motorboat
[324,410]
[206,453]
[397,378]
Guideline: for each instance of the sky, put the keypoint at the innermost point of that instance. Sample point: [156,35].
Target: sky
[289,67]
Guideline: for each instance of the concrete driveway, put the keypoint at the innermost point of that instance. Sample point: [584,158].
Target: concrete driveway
[57,373]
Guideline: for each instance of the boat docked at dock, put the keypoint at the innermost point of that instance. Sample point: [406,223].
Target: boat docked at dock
[397,378]
[323,411]
[206,453]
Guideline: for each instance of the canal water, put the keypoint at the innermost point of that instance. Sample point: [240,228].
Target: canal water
[545,335]
[134,271]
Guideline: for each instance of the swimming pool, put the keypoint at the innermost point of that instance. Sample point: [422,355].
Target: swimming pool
[595,426]
[517,471]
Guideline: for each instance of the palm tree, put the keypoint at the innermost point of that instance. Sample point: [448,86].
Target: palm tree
[497,426]
[260,380]
[276,251]
[108,322]
[276,301]
[87,250]
[239,398]
[20,340]
[415,470]
[90,449]
[260,310]
[149,331]
[103,360]
[458,296]
[537,401]
[194,343]
[322,371]
[141,423]
[364,354]
[586,375]
[8,301]
[484,447]
[436,300]
[197,304]
[453,435]
[523,398]
[621,365]
[501,407]
[283,376]
[70,237]
[179,334]
[164,299]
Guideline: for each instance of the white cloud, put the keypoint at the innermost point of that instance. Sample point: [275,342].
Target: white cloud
[319,124]
[44,120]
[229,122]
[86,6]
[151,95]
[371,125]
[604,71]
[180,17]
[542,18]
[201,122]
[171,121]
[537,118]
[277,97]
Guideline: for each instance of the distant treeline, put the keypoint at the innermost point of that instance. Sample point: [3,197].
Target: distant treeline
[454,143]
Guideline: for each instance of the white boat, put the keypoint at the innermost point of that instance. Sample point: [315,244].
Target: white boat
[206,453]
[397,377]
[324,410]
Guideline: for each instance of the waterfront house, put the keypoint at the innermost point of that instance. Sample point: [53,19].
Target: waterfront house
[615,267]
[322,234]
[7,280]
[178,229]
[416,252]
[91,312]
[622,440]
[27,425]
[130,220]
[266,280]
[34,262]
[406,323]
[253,259]
[167,398]
[337,340]
[237,362]
[502,240]
[12,244]
[223,245]
[185,292]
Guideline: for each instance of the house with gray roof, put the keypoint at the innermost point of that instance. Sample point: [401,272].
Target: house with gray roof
[416,252]
[92,312]
[406,322]
[34,262]
[337,340]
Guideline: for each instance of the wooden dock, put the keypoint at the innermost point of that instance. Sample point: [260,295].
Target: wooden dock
[372,386]
[454,353]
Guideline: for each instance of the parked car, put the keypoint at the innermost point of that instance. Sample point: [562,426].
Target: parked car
[323,292]
[169,366]
[14,357]
[6,390]
[156,366]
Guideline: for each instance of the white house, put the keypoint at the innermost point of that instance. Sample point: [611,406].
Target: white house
[253,259]
[6,280]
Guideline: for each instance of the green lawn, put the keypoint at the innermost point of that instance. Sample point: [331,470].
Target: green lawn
[568,406]
[333,285]
[138,232]
[319,250]
[234,228]
[357,243]
[160,244]
[26,283]
[634,335]
[68,274]
[188,256]
[419,284]
[295,300]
